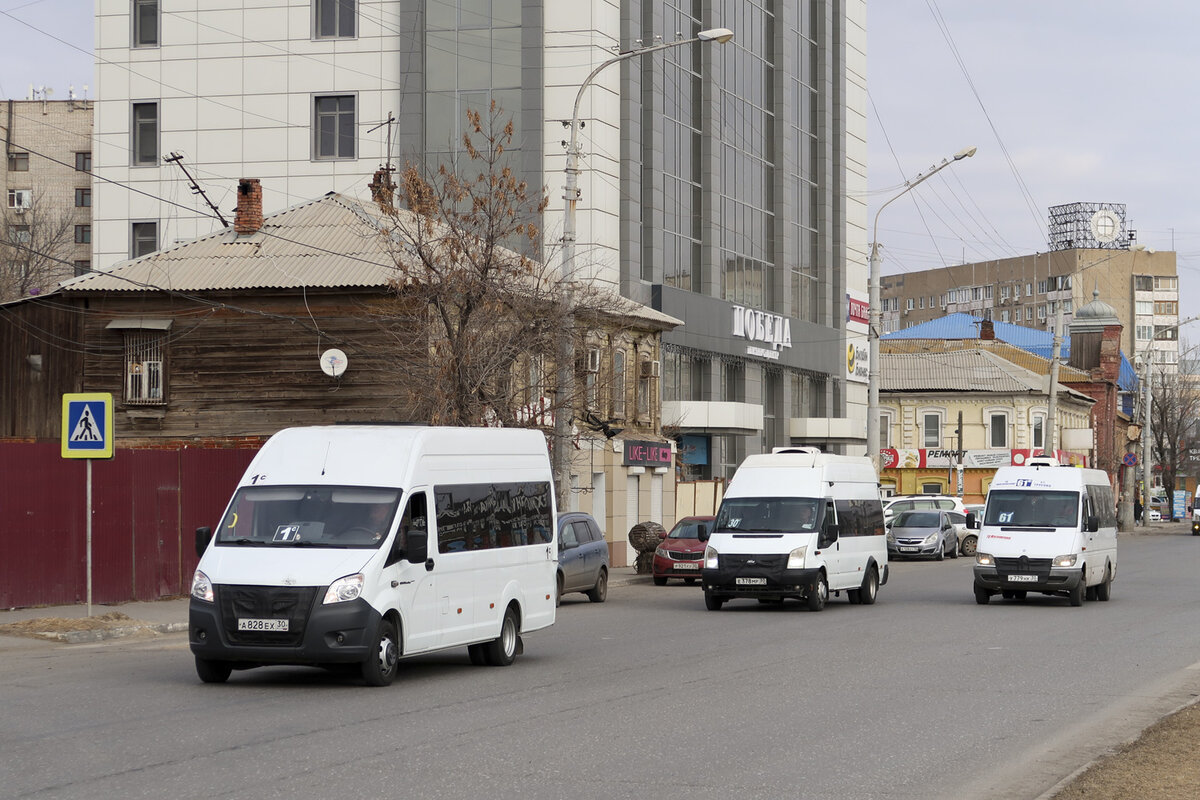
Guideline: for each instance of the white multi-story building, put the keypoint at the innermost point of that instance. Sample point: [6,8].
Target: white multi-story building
[721,183]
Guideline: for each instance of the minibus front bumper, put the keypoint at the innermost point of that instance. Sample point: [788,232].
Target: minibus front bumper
[752,580]
[316,633]
[1001,579]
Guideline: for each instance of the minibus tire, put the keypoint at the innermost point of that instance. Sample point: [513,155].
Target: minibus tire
[382,664]
[869,589]
[1104,589]
[819,594]
[982,596]
[713,602]
[1077,595]
[502,651]
[213,671]
[599,592]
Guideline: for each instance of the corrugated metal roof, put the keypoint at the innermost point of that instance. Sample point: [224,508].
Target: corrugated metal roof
[961,371]
[333,242]
[1022,358]
[1038,342]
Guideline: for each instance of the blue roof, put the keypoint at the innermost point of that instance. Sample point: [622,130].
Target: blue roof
[1032,340]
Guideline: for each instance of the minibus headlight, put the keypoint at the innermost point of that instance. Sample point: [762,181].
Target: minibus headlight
[343,589]
[1064,561]
[796,558]
[202,587]
[710,557]
[984,560]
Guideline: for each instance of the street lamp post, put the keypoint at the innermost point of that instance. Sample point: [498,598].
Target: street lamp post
[571,195]
[873,302]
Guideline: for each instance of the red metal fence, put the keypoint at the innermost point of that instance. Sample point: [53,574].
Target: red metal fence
[146,505]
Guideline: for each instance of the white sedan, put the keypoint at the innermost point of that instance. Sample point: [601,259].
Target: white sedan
[1155,516]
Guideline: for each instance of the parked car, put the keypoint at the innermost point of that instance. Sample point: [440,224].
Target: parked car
[913,502]
[1155,515]
[681,554]
[582,557]
[967,539]
[922,533]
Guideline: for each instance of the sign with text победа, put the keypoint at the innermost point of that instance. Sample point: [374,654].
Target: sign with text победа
[87,425]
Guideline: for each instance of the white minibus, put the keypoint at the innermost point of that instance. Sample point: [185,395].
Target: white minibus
[799,523]
[363,544]
[1046,528]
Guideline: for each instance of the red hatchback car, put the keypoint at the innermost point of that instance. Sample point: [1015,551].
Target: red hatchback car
[681,554]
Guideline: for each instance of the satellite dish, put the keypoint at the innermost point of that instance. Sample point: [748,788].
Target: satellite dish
[333,362]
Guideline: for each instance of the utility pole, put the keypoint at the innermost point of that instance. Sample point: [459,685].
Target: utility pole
[177,159]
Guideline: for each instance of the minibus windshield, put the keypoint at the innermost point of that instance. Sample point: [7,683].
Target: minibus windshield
[768,515]
[1032,508]
[309,516]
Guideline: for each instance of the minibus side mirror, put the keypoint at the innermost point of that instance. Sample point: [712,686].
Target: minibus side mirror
[418,547]
[972,520]
[203,537]
[828,536]
[1093,523]
[703,533]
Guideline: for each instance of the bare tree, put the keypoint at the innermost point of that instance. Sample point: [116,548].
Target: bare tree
[1174,404]
[480,311]
[36,244]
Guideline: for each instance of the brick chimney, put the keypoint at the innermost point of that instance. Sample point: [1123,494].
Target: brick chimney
[249,215]
[987,331]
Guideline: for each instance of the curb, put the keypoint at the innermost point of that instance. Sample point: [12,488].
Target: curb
[101,634]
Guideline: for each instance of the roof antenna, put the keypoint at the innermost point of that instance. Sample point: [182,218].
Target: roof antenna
[387,165]
[177,159]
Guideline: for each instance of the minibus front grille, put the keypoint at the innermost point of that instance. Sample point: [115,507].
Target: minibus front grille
[1023,564]
[753,563]
[269,603]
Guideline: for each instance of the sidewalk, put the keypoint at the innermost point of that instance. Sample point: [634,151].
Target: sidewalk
[169,615]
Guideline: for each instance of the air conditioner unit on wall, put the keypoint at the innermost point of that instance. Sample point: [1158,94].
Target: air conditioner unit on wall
[649,369]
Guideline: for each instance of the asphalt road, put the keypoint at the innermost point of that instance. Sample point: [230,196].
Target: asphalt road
[923,695]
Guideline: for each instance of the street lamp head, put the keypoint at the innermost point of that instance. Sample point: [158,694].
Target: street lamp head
[719,35]
[966,152]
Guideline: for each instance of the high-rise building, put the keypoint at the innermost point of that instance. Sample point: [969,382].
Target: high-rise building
[720,183]
[47,211]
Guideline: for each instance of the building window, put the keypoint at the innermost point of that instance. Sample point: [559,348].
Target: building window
[997,430]
[931,430]
[143,238]
[83,234]
[1145,331]
[20,198]
[144,376]
[82,267]
[647,371]
[618,387]
[18,162]
[1166,333]
[145,23]
[333,19]
[1004,315]
[1166,282]
[333,126]
[592,376]
[921,303]
[1143,283]
[933,488]
[1143,307]
[1039,431]
[1029,290]
[20,234]
[908,304]
[83,162]
[144,147]
[1166,307]
[83,198]
[885,430]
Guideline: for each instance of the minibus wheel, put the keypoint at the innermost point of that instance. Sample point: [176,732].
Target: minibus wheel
[819,594]
[213,671]
[869,589]
[982,596]
[1077,594]
[502,651]
[381,665]
[1104,590]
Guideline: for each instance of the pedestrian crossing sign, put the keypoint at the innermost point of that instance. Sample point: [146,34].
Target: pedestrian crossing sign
[87,425]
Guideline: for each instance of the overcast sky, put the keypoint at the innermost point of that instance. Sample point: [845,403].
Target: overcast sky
[1068,101]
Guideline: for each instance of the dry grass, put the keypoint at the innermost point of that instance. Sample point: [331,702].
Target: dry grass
[1162,764]
[50,627]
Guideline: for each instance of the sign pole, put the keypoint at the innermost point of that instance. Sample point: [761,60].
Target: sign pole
[89,537]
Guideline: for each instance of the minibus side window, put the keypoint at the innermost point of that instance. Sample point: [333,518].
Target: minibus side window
[412,536]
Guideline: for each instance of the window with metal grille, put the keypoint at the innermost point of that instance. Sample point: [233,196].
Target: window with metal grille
[144,376]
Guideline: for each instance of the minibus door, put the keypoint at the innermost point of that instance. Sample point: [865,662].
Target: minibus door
[829,546]
[411,571]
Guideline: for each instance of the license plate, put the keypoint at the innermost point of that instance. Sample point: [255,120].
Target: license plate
[687,566]
[1022,578]
[908,549]
[750,581]
[274,625]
